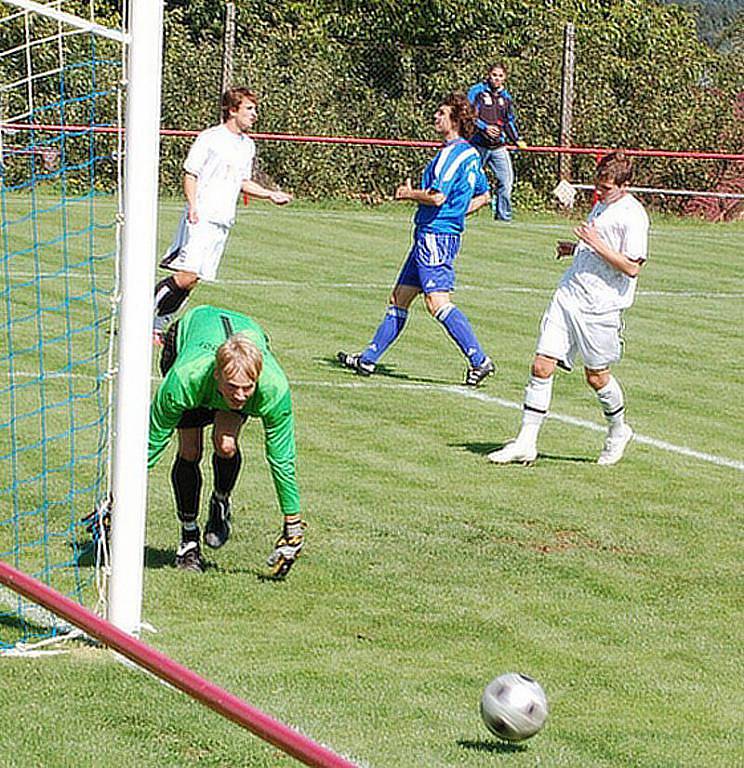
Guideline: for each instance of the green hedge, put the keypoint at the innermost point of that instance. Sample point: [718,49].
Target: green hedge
[378,68]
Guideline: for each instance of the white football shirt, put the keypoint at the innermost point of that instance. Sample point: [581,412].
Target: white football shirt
[598,286]
[221,160]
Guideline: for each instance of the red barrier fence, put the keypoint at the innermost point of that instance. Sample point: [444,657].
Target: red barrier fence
[389,142]
[290,741]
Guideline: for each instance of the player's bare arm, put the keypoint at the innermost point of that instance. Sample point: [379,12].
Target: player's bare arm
[406,191]
[189,190]
[478,202]
[588,234]
[276,196]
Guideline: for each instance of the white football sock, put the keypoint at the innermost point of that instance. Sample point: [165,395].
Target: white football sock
[537,395]
[613,405]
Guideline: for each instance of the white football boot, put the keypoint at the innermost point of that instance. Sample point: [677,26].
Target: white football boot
[614,447]
[514,453]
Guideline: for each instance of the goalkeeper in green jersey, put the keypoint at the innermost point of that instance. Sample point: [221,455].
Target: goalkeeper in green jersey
[218,369]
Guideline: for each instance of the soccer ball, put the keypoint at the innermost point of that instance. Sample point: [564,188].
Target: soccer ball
[514,707]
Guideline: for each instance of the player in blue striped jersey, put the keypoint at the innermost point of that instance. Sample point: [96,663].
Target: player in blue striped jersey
[453,185]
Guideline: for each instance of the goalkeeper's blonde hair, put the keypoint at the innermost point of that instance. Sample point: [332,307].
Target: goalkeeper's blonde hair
[241,353]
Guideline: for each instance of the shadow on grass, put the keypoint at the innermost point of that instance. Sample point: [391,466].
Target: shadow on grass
[384,371]
[235,570]
[159,558]
[483,449]
[27,628]
[166,558]
[21,626]
[491,746]
[86,553]
[155,557]
[269,577]
[262,577]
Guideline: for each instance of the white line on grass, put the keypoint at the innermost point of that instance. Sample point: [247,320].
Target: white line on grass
[489,288]
[273,283]
[706,232]
[475,394]
[363,214]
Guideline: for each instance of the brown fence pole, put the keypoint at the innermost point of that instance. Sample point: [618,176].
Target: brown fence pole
[567,98]
[228,49]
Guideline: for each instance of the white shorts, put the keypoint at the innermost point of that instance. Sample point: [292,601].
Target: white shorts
[565,330]
[196,248]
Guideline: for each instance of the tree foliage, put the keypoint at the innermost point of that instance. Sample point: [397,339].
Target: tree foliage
[713,17]
[377,68]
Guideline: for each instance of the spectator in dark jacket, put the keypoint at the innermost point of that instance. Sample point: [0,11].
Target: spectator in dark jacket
[496,125]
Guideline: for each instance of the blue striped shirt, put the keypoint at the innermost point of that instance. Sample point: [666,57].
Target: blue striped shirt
[456,172]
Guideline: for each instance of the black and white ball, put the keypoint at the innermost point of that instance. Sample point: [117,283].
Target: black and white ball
[514,707]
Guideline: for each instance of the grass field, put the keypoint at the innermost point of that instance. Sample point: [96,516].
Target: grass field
[428,571]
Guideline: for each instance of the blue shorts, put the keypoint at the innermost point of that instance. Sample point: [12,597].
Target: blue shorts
[430,265]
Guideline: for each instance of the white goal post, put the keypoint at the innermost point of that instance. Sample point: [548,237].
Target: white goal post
[139,244]
[80,109]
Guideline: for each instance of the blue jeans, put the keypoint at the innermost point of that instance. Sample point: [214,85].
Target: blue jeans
[499,162]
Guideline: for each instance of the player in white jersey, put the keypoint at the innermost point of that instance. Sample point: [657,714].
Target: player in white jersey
[585,314]
[217,169]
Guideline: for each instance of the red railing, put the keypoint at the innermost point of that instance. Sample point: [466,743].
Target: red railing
[226,704]
[378,142]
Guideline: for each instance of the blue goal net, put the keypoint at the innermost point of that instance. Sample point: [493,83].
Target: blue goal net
[60,106]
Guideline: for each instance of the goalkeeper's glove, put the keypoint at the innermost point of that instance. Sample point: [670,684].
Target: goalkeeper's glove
[521,144]
[287,548]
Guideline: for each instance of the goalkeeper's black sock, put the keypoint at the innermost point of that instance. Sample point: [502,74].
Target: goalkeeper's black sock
[189,532]
[225,473]
[169,297]
[186,479]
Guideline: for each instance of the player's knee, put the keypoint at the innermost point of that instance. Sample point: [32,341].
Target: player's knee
[397,299]
[225,446]
[597,379]
[190,453]
[431,307]
[186,280]
[543,367]
[403,295]
[435,303]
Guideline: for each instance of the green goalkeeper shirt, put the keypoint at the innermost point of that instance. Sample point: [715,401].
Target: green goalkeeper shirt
[190,384]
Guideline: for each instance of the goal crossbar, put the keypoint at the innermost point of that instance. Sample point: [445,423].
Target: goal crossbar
[221,701]
[68,18]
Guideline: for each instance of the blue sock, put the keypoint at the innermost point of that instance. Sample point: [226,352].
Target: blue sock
[388,331]
[459,328]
